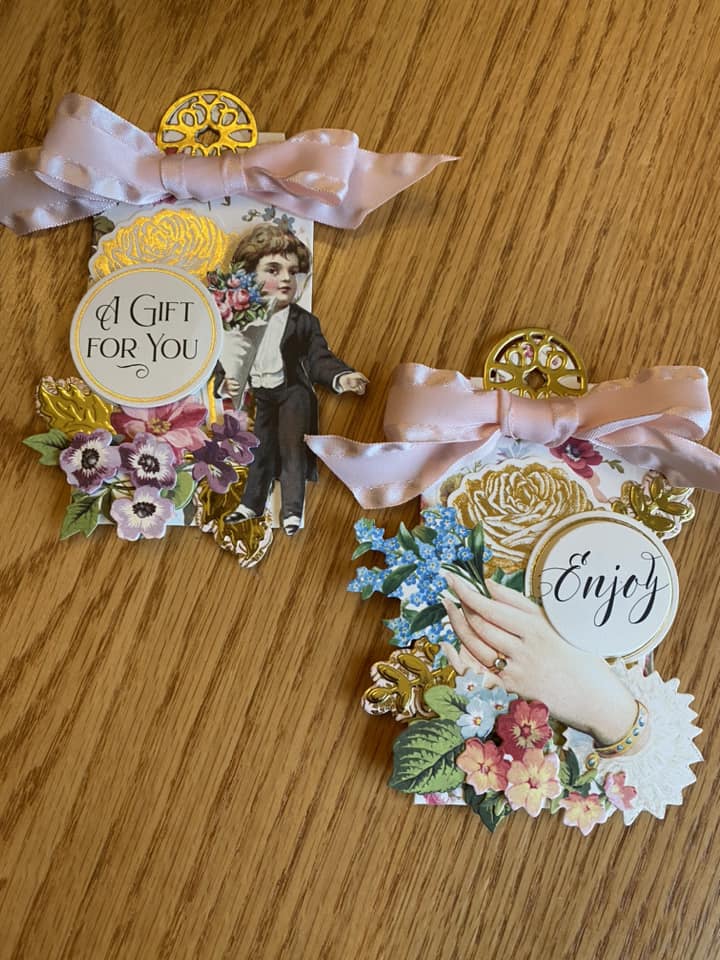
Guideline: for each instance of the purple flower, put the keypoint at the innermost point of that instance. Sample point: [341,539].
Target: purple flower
[149,461]
[211,465]
[146,515]
[234,437]
[90,460]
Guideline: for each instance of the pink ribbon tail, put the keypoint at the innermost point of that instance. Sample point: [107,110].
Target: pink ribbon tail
[92,159]
[434,418]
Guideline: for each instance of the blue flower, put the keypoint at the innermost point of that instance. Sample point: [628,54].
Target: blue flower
[377,538]
[465,553]
[469,684]
[400,629]
[478,720]
[363,529]
[364,577]
[498,699]
[487,554]
[389,547]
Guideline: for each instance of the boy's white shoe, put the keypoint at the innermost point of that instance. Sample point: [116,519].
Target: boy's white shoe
[241,513]
[291,525]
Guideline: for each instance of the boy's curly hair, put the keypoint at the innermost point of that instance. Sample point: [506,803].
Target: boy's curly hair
[268,238]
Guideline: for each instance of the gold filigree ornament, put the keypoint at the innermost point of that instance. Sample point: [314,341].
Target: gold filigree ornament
[205,123]
[174,237]
[249,540]
[516,505]
[68,405]
[400,682]
[656,504]
[535,363]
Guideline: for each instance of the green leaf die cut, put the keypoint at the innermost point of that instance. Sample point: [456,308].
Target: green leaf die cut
[424,534]
[421,619]
[476,542]
[407,540]
[183,490]
[445,702]
[82,515]
[49,445]
[397,576]
[361,549]
[424,757]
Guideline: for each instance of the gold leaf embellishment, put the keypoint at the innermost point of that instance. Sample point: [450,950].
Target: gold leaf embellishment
[68,405]
[400,682]
[249,539]
[655,503]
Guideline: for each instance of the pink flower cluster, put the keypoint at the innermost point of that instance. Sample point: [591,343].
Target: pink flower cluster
[528,776]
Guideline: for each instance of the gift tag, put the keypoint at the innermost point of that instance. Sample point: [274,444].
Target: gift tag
[530,597]
[606,584]
[199,357]
[146,336]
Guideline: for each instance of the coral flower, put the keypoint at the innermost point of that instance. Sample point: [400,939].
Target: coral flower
[583,812]
[177,423]
[484,766]
[580,455]
[524,727]
[533,780]
[617,793]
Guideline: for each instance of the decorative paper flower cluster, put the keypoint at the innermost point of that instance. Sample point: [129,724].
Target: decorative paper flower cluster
[148,467]
[238,297]
[484,746]
[415,560]
[499,751]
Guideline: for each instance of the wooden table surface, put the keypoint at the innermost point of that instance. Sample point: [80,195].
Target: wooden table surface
[185,770]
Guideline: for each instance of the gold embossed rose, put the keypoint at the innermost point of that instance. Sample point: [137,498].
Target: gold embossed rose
[516,505]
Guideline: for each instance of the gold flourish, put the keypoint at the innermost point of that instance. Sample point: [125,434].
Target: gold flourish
[655,503]
[249,539]
[400,682]
[516,506]
[172,237]
[68,405]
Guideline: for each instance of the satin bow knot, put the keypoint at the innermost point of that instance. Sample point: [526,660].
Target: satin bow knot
[551,422]
[435,418]
[91,159]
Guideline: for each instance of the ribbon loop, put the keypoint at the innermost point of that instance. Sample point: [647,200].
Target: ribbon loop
[434,418]
[92,159]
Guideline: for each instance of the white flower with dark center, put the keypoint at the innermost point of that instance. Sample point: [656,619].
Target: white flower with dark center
[90,460]
[146,515]
[149,461]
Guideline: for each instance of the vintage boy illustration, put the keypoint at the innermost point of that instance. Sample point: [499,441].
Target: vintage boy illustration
[279,356]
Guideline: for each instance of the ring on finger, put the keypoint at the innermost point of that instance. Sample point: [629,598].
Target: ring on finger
[499,664]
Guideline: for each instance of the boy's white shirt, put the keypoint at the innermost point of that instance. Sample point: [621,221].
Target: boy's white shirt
[267,368]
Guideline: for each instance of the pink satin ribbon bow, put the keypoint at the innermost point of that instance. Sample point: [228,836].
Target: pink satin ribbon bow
[434,418]
[91,159]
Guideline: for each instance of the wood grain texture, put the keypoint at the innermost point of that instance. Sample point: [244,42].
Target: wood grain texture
[184,767]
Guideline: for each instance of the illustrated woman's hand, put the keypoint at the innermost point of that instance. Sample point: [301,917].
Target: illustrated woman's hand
[578,688]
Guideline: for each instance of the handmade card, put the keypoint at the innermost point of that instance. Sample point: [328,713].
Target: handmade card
[537,584]
[198,353]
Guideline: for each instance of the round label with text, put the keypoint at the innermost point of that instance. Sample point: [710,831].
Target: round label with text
[146,336]
[606,584]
